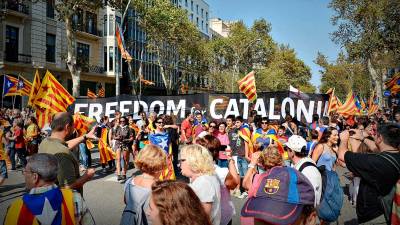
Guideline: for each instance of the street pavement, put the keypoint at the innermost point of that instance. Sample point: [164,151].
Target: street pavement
[104,197]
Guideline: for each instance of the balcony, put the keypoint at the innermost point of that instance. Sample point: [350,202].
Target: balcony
[15,8]
[87,32]
[18,58]
[87,68]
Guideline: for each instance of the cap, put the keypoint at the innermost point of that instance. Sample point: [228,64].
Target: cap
[278,196]
[296,143]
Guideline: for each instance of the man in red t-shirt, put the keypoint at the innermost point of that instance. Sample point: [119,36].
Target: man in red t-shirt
[186,129]
[19,141]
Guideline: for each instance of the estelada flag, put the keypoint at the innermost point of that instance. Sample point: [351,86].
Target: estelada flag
[35,89]
[245,134]
[91,94]
[121,45]
[82,123]
[393,81]
[247,85]
[52,95]
[10,86]
[43,117]
[24,86]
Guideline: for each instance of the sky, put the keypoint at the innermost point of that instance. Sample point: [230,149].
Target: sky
[303,24]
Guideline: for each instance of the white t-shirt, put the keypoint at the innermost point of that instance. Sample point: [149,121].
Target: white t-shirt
[314,176]
[207,188]
[227,207]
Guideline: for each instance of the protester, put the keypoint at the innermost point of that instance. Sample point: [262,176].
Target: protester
[124,137]
[324,153]
[186,129]
[46,203]
[3,156]
[151,161]
[32,135]
[196,163]
[261,137]
[225,148]
[267,159]
[373,170]
[313,143]
[290,126]
[281,196]
[199,124]
[175,203]
[228,177]
[230,120]
[18,137]
[397,117]
[301,162]
[62,127]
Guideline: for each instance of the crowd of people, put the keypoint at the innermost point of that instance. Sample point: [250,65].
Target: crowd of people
[188,173]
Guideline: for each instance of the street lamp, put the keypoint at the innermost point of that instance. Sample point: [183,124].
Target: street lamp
[238,56]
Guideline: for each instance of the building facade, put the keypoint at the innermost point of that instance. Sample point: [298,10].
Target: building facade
[219,28]
[33,38]
[199,14]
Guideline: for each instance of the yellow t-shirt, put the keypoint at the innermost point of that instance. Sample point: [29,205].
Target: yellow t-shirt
[31,130]
[2,152]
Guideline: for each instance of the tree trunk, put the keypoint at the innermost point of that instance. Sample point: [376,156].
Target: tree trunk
[377,78]
[162,72]
[71,57]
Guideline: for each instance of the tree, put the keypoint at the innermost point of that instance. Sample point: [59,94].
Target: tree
[368,29]
[344,75]
[170,35]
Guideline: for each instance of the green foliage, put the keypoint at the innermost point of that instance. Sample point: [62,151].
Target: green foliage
[344,75]
[253,48]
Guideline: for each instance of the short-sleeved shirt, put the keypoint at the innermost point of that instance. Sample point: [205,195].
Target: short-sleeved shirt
[378,177]
[19,141]
[126,133]
[236,143]
[207,188]
[186,128]
[31,130]
[68,166]
[313,175]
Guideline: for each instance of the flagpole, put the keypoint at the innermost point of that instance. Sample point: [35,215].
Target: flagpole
[2,92]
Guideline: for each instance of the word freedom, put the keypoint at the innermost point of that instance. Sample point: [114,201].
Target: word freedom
[273,105]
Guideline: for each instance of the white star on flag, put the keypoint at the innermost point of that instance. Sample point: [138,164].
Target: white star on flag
[164,143]
[9,84]
[48,213]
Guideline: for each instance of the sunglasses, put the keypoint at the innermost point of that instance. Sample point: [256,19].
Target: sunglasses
[160,122]
[264,122]
[213,126]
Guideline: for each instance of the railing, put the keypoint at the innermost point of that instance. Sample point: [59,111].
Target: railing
[87,68]
[82,28]
[21,58]
[16,6]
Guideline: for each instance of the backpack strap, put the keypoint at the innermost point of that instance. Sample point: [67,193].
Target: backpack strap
[391,160]
[306,164]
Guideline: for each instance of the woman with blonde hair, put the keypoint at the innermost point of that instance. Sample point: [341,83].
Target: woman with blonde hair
[267,159]
[151,161]
[175,203]
[196,163]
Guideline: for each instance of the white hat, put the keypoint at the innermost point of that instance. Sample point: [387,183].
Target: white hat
[296,143]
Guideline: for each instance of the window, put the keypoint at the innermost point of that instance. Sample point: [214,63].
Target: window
[202,13]
[186,3]
[105,59]
[111,25]
[202,25]
[12,43]
[105,26]
[197,9]
[191,17]
[118,20]
[111,58]
[82,55]
[207,16]
[91,25]
[197,21]
[77,21]
[191,5]
[207,28]
[50,9]
[50,48]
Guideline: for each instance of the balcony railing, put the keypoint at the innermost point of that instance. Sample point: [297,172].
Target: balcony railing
[20,58]
[85,29]
[87,68]
[16,6]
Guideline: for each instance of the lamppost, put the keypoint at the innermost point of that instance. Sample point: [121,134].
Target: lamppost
[238,56]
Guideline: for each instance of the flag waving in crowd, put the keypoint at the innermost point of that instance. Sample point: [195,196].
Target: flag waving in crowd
[52,95]
[35,89]
[24,86]
[10,86]
[247,85]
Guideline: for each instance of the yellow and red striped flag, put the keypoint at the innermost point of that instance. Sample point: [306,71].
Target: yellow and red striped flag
[247,85]
[333,101]
[82,123]
[349,106]
[35,89]
[106,152]
[52,95]
[10,86]
[91,94]
[393,81]
[24,86]
[101,93]
[43,117]
[121,45]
